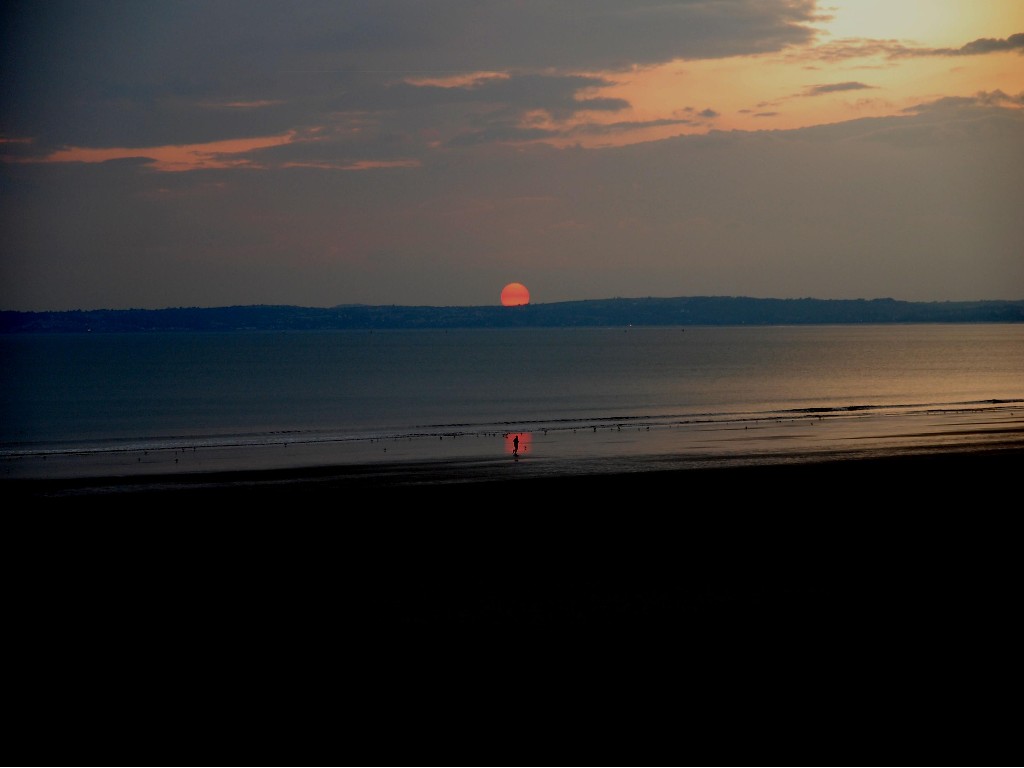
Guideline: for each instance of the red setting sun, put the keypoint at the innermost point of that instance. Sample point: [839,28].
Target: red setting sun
[514,294]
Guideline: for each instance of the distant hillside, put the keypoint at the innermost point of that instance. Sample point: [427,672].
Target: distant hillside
[683,311]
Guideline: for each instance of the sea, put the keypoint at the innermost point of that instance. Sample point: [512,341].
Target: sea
[164,393]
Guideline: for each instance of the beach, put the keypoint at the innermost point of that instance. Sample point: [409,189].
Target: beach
[599,534]
[808,596]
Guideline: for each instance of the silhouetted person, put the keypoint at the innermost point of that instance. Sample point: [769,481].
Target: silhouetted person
[515,445]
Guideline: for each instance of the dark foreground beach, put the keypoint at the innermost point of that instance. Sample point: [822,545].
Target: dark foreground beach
[451,541]
[445,613]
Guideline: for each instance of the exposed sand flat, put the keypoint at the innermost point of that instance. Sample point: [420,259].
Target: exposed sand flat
[482,457]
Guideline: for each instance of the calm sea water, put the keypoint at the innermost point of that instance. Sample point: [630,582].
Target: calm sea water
[87,392]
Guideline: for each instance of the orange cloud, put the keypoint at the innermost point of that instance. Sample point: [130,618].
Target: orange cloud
[186,157]
[460,80]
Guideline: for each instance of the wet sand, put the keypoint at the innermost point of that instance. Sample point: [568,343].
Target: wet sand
[619,450]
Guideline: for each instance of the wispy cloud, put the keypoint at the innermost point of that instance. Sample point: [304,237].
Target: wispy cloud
[854,48]
[818,90]
[978,47]
[594,129]
[218,154]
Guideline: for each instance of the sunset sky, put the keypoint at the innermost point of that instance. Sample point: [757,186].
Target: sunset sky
[324,152]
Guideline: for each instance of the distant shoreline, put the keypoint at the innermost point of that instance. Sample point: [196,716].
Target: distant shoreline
[617,312]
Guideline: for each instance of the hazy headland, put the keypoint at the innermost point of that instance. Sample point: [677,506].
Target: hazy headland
[678,311]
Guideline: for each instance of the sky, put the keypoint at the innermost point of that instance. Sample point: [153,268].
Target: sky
[403,152]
